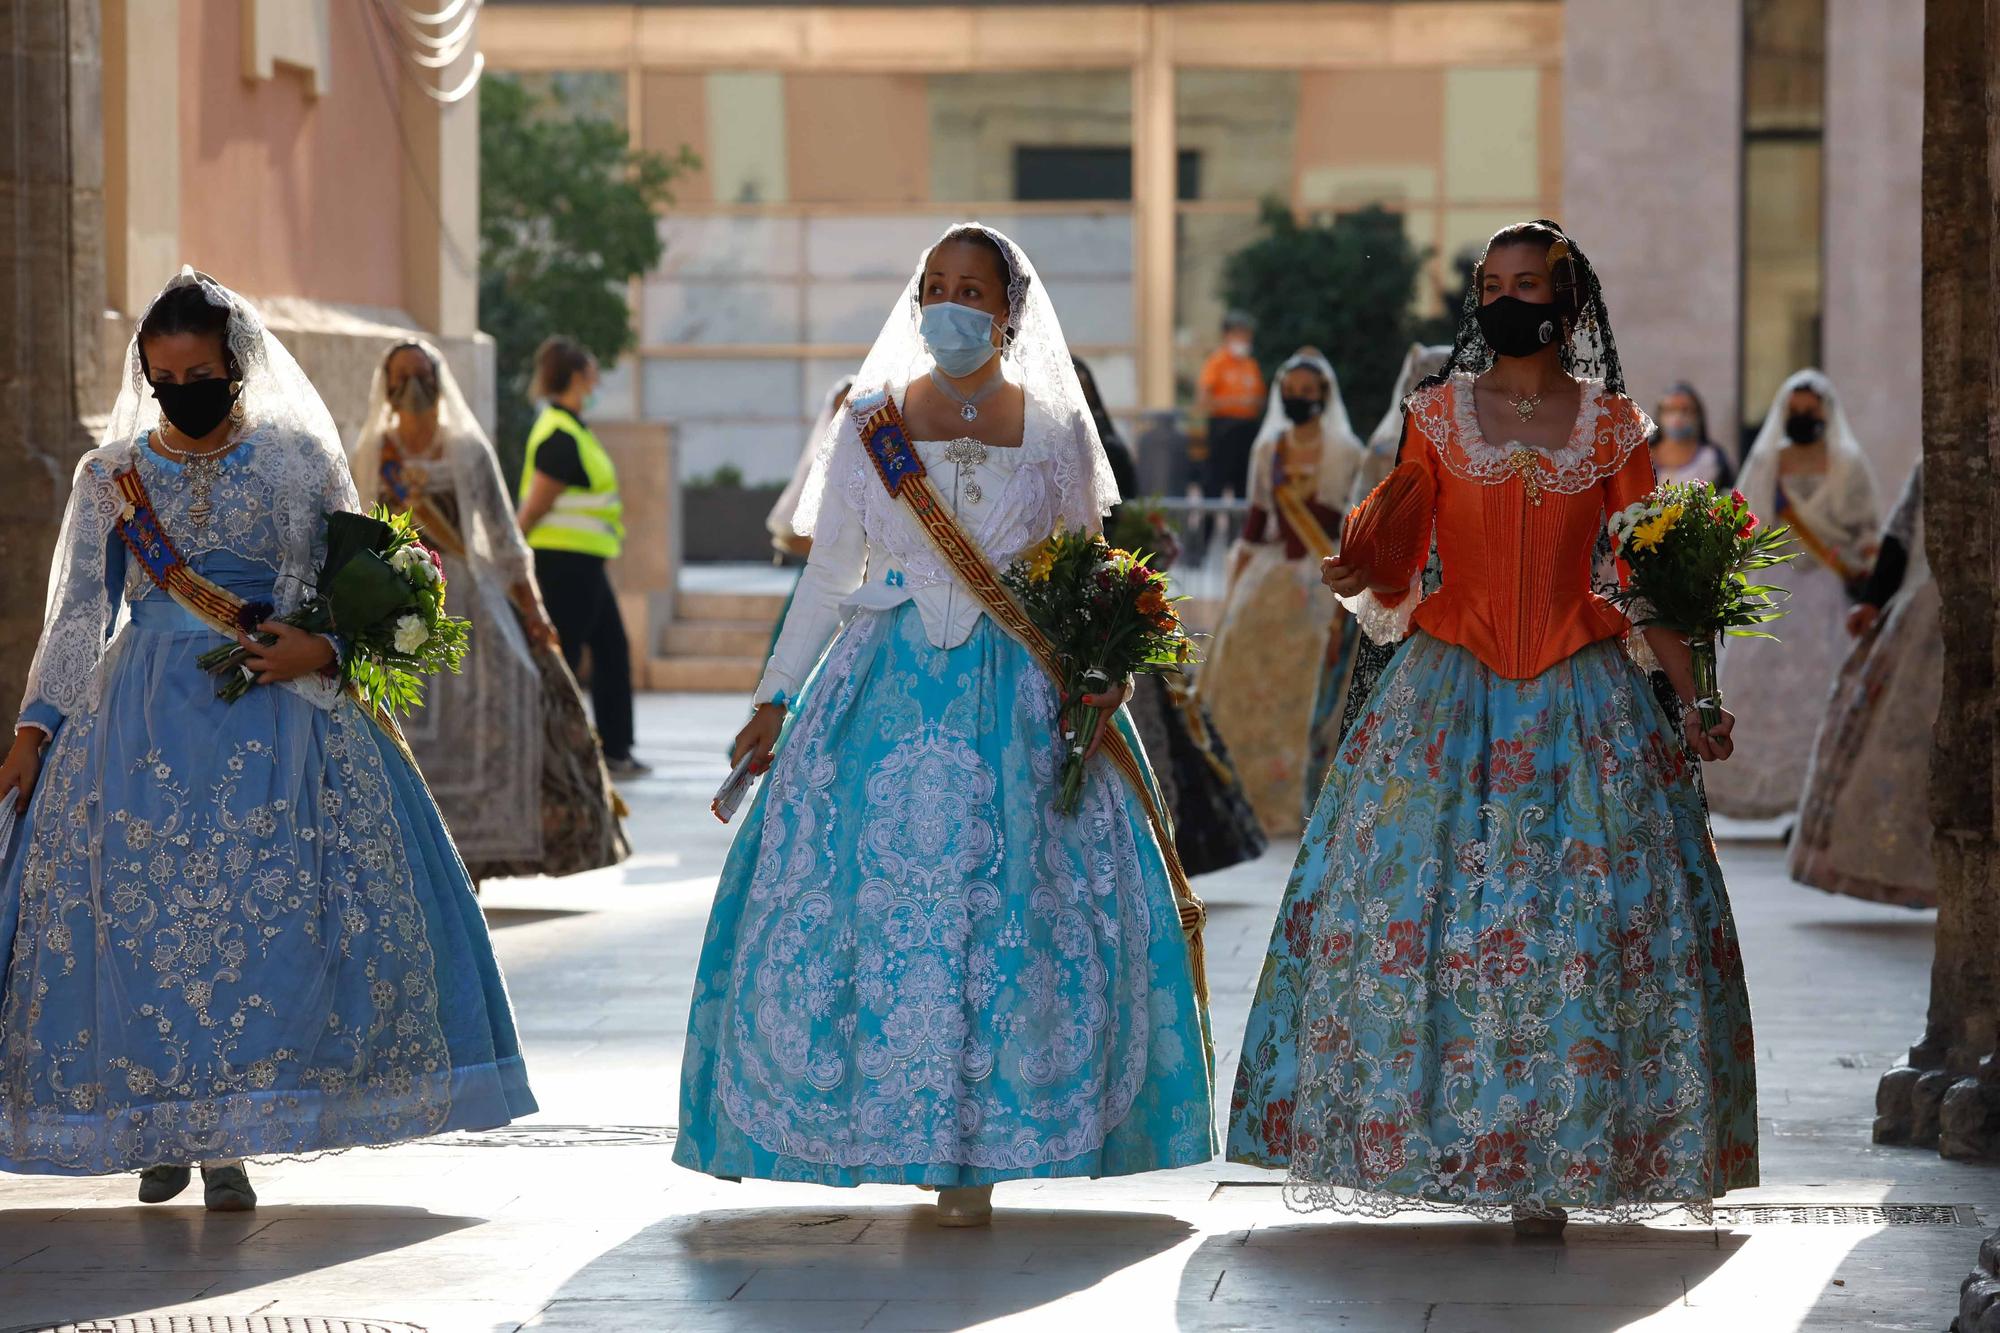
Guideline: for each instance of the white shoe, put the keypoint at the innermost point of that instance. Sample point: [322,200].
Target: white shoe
[967,1207]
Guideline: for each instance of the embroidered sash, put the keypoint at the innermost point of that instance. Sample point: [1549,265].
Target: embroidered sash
[138,525]
[1290,498]
[1815,545]
[888,446]
[398,493]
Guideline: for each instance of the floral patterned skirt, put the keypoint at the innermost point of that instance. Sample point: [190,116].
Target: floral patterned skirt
[1504,971]
[1865,823]
[916,971]
[235,930]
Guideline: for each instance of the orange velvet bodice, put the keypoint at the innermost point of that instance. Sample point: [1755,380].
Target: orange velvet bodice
[1517,528]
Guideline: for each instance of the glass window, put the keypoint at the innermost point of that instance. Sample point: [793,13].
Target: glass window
[1784,88]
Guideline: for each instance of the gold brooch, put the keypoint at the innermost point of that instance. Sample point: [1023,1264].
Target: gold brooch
[1527,467]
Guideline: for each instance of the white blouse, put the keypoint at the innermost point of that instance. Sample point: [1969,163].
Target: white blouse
[996,494]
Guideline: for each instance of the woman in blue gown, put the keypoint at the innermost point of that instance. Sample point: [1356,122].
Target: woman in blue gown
[228,929]
[917,971]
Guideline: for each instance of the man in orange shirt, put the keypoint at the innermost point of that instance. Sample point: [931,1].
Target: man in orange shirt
[1231,396]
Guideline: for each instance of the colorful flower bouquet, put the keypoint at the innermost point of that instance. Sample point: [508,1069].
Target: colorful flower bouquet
[381,591]
[1691,551]
[1144,529]
[1109,615]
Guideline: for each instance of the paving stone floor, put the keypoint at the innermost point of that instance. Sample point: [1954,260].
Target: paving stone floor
[579,1220]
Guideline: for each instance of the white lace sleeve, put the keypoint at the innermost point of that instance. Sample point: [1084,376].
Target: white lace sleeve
[1386,625]
[80,611]
[833,571]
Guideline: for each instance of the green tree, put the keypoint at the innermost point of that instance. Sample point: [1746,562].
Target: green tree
[568,215]
[1344,285]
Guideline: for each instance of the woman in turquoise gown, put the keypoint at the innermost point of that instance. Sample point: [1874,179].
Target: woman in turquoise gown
[228,929]
[917,971]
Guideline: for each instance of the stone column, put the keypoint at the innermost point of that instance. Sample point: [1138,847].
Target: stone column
[52,257]
[1949,1091]
[1652,185]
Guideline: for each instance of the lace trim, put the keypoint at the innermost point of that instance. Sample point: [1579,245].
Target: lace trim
[1384,624]
[1599,443]
[1304,1197]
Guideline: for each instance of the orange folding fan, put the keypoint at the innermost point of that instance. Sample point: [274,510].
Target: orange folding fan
[1387,534]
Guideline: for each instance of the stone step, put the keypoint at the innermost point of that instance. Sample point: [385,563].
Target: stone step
[741,606]
[705,675]
[717,638]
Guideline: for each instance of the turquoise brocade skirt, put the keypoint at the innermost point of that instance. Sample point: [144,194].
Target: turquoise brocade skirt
[916,971]
[1504,971]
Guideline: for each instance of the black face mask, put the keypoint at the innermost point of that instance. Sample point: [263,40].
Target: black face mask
[1805,428]
[1512,327]
[195,408]
[1301,410]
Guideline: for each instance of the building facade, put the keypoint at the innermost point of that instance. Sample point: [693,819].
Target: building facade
[1689,147]
[296,150]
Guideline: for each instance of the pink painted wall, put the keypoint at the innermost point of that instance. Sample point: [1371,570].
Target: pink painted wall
[283,194]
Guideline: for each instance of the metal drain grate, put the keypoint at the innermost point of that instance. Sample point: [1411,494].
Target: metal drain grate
[221,1323]
[1847,1215]
[560,1136]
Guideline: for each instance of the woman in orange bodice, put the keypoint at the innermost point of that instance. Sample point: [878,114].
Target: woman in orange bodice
[1504,977]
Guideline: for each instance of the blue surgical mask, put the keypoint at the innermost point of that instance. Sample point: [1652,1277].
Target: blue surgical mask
[960,338]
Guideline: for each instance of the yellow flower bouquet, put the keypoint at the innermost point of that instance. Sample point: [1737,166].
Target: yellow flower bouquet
[1689,552]
[1109,614]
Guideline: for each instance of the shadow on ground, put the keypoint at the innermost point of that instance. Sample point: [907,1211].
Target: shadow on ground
[81,1264]
[1445,1277]
[835,1268]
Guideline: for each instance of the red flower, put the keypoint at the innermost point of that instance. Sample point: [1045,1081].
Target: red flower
[1298,927]
[1364,736]
[1333,946]
[1731,1158]
[1503,953]
[1380,1148]
[1749,525]
[1454,970]
[1277,1129]
[1511,767]
[1434,756]
[1327,1035]
[1405,950]
[1591,1057]
[1724,954]
[1499,1159]
[1457,1055]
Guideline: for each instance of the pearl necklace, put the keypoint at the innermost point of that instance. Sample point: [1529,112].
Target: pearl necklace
[201,469]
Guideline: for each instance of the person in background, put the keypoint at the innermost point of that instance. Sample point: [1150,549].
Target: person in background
[1230,398]
[575,524]
[784,541]
[504,745]
[1214,826]
[1864,821]
[1280,629]
[1682,449]
[1807,472]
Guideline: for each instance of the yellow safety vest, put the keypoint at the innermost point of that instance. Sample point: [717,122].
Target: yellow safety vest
[586,519]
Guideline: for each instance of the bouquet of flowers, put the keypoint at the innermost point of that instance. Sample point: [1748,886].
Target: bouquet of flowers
[1692,551]
[1108,614]
[1144,529]
[381,590]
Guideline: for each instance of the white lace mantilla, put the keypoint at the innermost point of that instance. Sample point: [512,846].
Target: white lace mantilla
[269,502]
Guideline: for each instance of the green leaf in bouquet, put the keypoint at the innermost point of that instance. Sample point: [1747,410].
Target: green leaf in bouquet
[364,592]
[349,535]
